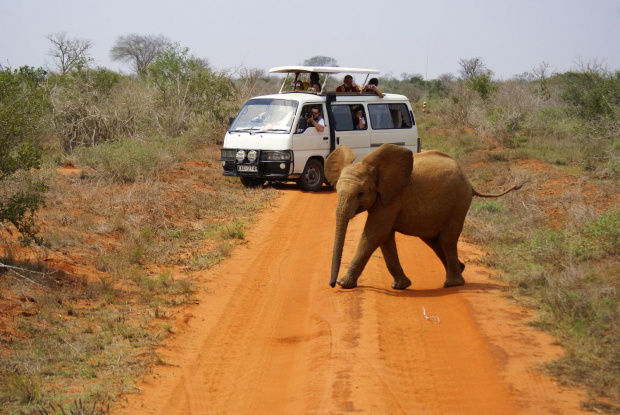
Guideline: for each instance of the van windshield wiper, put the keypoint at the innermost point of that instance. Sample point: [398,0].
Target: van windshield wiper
[243,130]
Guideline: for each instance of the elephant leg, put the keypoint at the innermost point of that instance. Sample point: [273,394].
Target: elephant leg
[453,265]
[359,261]
[390,254]
[375,233]
[436,247]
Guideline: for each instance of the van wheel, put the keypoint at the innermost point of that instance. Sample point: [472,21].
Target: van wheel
[251,181]
[313,176]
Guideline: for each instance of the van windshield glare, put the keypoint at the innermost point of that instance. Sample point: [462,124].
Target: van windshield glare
[265,115]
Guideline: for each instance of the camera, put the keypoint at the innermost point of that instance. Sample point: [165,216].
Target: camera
[309,114]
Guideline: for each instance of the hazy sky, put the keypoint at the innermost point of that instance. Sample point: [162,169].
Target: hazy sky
[394,36]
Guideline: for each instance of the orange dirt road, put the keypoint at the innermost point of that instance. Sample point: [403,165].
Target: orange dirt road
[270,336]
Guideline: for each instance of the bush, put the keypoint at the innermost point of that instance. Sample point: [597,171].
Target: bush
[189,93]
[591,95]
[22,106]
[94,106]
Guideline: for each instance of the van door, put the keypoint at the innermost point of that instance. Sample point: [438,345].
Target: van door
[349,130]
[307,141]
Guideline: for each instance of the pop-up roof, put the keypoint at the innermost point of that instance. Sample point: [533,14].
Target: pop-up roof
[328,70]
[321,69]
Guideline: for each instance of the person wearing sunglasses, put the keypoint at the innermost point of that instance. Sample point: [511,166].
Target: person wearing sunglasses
[316,120]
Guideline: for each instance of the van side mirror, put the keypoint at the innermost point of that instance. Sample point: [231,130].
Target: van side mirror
[302,125]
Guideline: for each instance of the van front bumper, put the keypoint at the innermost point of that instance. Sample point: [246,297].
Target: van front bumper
[267,164]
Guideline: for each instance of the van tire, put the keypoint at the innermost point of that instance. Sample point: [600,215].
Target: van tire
[251,182]
[313,176]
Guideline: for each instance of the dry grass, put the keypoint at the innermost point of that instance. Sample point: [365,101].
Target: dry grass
[557,243]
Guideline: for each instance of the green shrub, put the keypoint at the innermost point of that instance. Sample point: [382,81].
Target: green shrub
[591,95]
[23,103]
[189,92]
[482,85]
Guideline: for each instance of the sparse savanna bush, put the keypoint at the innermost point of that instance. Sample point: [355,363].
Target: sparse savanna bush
[569,118]
[87,112]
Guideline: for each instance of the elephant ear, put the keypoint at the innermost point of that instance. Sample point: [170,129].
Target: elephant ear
[393,165]
[336,161]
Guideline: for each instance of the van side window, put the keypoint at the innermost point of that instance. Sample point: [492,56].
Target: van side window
[389,116]
[342,116]
[348,118]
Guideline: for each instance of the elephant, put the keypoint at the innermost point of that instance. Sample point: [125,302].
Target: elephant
[424,194]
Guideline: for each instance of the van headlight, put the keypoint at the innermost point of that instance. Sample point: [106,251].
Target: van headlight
[240,156]
[275,155]
[252,155]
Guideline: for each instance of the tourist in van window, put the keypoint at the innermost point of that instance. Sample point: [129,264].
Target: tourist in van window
[316,120]
[298,86]
[372,87]
[359,121]
[315,83]
[348,85]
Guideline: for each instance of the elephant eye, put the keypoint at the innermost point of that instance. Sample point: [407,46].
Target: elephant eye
[360,195]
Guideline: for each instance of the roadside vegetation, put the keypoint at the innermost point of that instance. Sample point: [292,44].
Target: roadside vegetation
[112,201]
[556,242]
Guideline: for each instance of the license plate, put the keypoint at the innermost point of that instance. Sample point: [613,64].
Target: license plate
[248,168]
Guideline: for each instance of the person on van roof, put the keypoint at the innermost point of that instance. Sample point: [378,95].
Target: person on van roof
[348,85]
[316,120]
[372,87]
[315,83]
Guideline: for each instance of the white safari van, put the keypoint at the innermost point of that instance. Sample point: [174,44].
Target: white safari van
[276,138]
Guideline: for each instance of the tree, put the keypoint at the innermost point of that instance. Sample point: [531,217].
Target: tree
[542,74]
[321,61]
[477,76]
[139,50]
[69,53]
[473,67]
[188,89]
[22,104]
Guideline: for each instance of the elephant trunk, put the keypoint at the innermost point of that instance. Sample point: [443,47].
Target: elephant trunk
[342,222]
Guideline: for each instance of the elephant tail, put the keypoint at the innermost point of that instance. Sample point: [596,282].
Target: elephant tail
[515,187]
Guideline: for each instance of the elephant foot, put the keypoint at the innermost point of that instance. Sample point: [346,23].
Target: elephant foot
[454,282]
[348,284]
[462,266]
[402,284]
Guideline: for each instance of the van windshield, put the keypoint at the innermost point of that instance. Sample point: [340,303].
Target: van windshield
[265,115]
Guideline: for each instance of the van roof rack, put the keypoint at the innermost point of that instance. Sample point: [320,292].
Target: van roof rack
[320,69]
[328,70]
